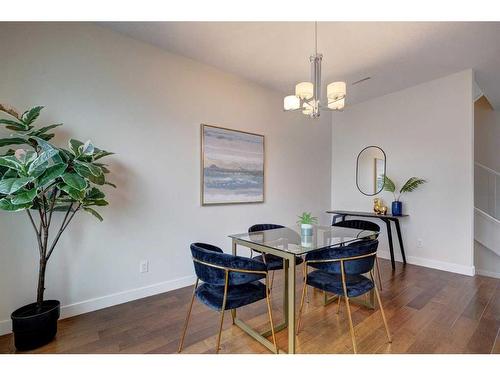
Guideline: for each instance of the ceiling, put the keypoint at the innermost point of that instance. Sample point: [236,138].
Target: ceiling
[395,55]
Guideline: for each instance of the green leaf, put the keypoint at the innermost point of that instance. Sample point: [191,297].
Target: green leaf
[97,202]
[101,153]
[95,193]
[51,173]
[12,141]
[25,157]
[47,137]
[110,184]
[87,148]
[77,195]
[389,185]
[93,212]
[412,184]
[99,180]
[44,129]
[94,169]
[44,145]
[11,173]
[11,185]
[84,171]
[31,115]
[13,125]
[42,160]
[24,197]
[75,181]
[62,208]
[12,163]
[65,155]
[74,146]
[7,205]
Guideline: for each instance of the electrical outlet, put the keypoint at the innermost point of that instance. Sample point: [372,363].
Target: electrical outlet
[144,266]
[420,243]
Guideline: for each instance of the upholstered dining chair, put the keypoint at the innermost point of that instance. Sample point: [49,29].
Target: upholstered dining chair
[339,270]
[229,282]
[271,261]
[362,225]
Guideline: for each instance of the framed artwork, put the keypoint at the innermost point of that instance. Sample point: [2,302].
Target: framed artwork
[379,174]
[232,166]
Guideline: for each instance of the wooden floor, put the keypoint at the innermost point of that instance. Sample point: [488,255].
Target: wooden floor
[428,311]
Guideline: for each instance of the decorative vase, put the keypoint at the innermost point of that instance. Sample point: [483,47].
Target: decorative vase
[306,230]
[397,208]
[33,328]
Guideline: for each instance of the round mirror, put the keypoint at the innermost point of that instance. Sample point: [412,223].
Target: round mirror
[370,170]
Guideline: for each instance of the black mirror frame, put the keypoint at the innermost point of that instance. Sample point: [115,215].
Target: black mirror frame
[357,166]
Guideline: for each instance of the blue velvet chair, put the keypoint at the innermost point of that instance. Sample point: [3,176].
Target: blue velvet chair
[229,282]
[339,270]
[362,225]
[272,262]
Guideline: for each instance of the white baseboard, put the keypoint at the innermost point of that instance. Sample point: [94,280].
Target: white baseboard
[431,263]
[488,273]
[113,299]
[149,290]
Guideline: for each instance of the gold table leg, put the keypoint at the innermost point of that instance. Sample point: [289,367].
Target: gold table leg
[288,310]
[291,304]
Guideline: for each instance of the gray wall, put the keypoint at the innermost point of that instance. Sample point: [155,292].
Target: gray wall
[426,131]
[146,105]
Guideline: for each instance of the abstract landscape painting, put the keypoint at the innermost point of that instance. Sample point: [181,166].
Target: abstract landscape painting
[232,166]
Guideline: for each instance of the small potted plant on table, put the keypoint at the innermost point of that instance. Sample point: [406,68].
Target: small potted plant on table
[41,179]
[306,221]
[409,186]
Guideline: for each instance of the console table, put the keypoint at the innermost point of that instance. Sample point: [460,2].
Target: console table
[387,219]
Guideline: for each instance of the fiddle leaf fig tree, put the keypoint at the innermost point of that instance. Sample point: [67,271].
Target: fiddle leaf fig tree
[40,178]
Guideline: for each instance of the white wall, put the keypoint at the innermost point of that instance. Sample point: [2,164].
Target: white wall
[486,134]
[426,131]
[486,146]
[146,105]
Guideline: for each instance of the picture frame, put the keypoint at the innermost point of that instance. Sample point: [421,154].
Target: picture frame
[232,166]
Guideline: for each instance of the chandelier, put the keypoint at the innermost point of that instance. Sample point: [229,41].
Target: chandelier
[307,96]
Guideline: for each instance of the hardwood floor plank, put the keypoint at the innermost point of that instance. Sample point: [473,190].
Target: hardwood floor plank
[428,311]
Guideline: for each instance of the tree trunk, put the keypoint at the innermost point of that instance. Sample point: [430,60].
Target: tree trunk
[41,283]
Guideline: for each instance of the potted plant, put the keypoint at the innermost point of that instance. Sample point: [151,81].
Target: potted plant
[306,221]
[410,185]
[41,179]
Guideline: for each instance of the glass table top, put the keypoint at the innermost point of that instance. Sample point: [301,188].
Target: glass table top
[293,240]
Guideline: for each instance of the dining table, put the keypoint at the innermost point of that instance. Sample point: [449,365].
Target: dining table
[288,243]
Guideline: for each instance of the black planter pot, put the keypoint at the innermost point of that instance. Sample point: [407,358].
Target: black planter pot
[33,328]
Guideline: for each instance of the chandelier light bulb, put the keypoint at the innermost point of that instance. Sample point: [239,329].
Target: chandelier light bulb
[304,90]
[336,90]
[336,105]
[291,102]
[307,109]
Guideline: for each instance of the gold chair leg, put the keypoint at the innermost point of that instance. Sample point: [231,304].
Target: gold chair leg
[187,317]
[222,312]
[382,311]
[272,280]
[338,306]
[378,273]
[351,327]
[270,313]
[304,290]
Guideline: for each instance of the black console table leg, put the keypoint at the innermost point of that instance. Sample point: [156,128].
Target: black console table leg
[391,247]
[398,229]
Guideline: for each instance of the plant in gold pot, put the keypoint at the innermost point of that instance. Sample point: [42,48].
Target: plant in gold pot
[51,185]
